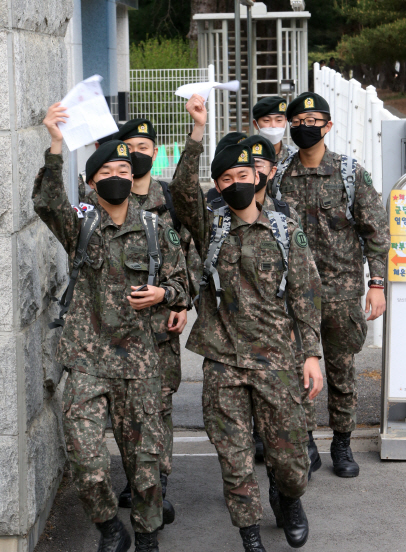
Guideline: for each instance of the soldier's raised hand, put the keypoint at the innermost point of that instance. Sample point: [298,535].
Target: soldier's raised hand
[197,109]
[56,114]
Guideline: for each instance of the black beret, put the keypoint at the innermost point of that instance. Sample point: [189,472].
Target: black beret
[114,150]
[260,147]
[308,101]
[272,105]
[136,127]
[229,140]
[236,155]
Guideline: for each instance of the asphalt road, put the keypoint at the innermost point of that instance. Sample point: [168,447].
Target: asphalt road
[365,514]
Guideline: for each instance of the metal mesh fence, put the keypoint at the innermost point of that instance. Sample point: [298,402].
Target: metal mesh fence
[152,95]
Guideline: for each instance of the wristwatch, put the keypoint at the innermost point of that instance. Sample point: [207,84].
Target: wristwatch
[167,296]
[377,283]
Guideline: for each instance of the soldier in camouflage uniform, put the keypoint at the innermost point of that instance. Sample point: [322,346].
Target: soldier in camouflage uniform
[249,366]
[270,120]
[314,186]
[107,346]
[266,164]
[149,194]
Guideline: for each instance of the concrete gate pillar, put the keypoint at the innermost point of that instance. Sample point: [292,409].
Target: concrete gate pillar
[33,65]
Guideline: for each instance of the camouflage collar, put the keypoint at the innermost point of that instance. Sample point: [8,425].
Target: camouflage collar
[237,222]
[283,154]
[155,198]
[326,167]
[131,223]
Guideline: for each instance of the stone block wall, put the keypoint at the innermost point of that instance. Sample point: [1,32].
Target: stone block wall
[33,267]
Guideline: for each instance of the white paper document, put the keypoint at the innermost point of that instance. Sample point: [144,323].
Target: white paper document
[89,114]
[204,88]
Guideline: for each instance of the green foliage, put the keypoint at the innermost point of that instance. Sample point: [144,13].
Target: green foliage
[159,18]
[164,53]
[326,24]
[381,26]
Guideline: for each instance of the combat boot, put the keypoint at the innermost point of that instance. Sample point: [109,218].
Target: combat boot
[259,446]
[168,511]
[295,522]
[344,464]
[114,536]
[314,456]
[146,542]
[251,539]
[124,500]
[274,499]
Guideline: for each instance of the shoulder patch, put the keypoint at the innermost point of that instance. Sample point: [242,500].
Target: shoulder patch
[367,178]
[173,237]
[300,239]
[78,211]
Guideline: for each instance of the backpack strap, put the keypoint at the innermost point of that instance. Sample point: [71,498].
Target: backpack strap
[280,171]
[150,223]
[169,205]
[279,229]
[348,171]
[281,207]
[90,222]
[219,232]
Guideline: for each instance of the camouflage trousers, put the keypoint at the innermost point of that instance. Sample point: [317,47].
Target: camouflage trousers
[343,334]
[134,407]
[170,367]
[231,397]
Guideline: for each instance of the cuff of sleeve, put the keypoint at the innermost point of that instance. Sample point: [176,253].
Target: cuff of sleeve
[172,295]
[192,147]
[53,160]
[313,352]
[377,268]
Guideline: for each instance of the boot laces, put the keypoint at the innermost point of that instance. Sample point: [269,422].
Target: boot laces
[343,450]
[146,542]
[292,512]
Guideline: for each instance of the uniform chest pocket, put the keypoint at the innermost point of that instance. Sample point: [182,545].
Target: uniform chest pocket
[334,207]
[95,251]
[269,270]
[136,258]
[229,253]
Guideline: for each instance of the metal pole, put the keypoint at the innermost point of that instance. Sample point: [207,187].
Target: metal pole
[212,116]
[237,36]
[249,68]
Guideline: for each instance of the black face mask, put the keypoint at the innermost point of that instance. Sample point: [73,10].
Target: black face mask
[306,137]
[114,189]
[141,164]
[263,179]
[239,195]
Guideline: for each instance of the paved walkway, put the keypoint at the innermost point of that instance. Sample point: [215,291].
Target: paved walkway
[365,514]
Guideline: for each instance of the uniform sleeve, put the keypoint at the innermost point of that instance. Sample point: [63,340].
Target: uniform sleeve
[371,222]
[304,292]
[188,198]
[173,273]
[52,205]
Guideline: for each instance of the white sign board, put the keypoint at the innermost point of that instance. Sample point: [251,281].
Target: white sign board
[397,342]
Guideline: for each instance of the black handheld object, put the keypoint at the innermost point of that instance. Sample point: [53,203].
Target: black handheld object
[142,288]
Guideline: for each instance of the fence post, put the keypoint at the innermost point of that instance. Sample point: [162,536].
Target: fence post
[212,116]
[368,156]
[316,78]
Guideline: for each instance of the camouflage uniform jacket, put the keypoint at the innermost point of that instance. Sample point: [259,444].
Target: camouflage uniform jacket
[283,154]
[319,197]
[251,329]
[103,336]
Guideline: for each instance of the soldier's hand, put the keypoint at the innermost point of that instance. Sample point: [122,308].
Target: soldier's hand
[198,112]
[311,371]
[56,114]
[375,302]
[143,299]
[177,321]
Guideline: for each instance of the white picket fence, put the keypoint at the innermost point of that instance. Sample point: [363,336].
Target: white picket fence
[357,115]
